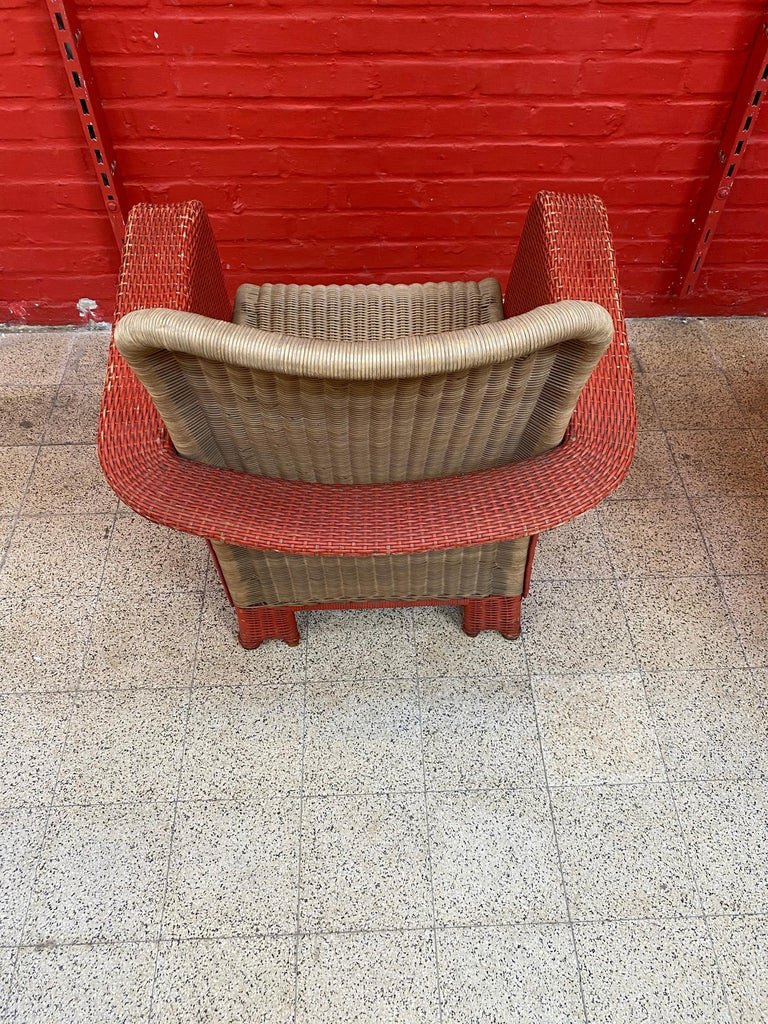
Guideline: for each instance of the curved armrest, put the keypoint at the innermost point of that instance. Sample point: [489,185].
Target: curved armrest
[170,261]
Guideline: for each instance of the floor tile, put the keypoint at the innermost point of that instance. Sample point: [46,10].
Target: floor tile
[573,551]
[653,473]
[660,971]
[74,416]
[21,836]
[15,470]
[747,600]
[87,363]
[726,828]
[622,853]
[146,641]
[694,400]
[370,976]
[32,732]
[479,734]
[145,558]
[654,538]
[596,729]
[376,644]
[34,358]
[710,725]
[23,412]
[740,344]
[123,746]
[233,869]
[237,981]
[68,478]
[522,973]
[736,532]
[670,345]
[494,859]
[741,945]
[43,641]
[752,395]
[243,742]
[56,555]
[680,624]
[84,984]
[363,737]
[444,649]
[364,863]
[101,874]
[717,463]
[221,660]
[576,627]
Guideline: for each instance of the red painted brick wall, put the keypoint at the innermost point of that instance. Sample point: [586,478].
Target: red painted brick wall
[393,140]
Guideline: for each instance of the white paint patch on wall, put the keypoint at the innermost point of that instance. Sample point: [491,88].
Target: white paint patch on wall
[87,308]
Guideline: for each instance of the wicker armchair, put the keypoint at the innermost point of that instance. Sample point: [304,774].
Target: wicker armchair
[369,445]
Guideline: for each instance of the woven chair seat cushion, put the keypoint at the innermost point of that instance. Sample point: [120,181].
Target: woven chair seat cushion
[368,312]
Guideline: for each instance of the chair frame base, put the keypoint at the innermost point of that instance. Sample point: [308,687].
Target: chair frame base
[255,625]
[500,614]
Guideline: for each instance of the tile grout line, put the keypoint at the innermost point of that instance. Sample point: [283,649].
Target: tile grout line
[419,697]
[405,930]
[448,678]
[164,898]
[349,794]
[566,897]
[297,939]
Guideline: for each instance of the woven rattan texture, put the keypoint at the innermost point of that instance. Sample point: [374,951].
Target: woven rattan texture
[408,408]
[255,577]
[367,312]
[170,261]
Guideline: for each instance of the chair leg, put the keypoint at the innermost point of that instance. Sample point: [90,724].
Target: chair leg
[499,613]
[259,624]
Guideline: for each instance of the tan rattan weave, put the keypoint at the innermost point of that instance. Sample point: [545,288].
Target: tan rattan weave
[256,577]
[337,412]
[368,312]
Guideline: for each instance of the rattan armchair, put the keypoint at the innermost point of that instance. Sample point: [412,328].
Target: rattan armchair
[369,445]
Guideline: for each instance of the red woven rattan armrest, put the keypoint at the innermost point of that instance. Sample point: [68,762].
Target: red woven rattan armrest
[170,260]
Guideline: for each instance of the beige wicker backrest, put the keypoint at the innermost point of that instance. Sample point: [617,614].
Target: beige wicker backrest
[368,312]
[328,402]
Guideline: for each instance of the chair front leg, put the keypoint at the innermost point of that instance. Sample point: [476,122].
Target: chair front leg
[256,625]
[498,613]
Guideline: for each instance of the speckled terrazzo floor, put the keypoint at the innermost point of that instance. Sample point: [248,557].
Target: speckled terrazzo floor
[392,822]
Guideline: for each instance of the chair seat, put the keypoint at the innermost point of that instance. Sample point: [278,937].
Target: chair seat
[368,312]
